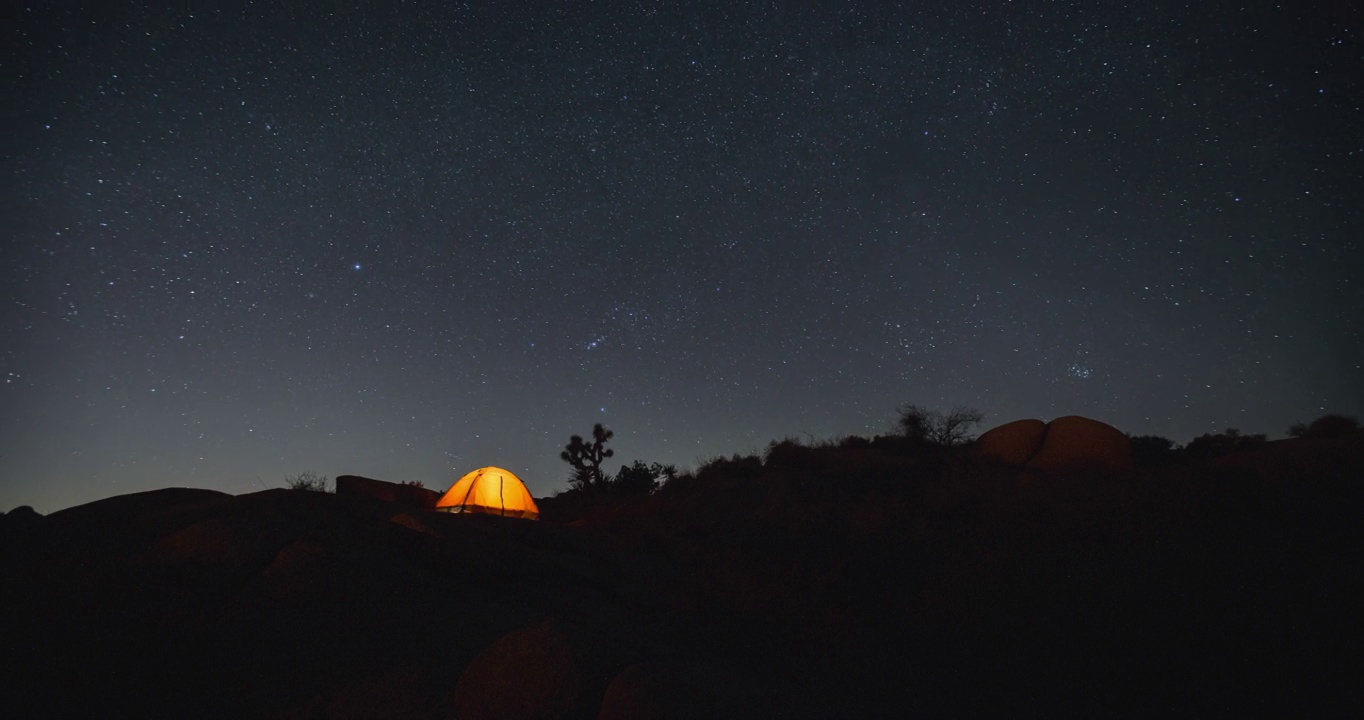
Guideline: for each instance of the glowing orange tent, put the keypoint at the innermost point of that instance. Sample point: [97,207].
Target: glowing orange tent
[490,490]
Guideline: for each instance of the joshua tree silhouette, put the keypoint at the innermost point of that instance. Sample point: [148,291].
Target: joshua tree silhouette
[587,459]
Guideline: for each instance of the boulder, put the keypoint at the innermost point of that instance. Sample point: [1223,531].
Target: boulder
[20,519]
[1066,444]
[1013,444]
[25,512]
[530,674]
[1075,443]
[411,495]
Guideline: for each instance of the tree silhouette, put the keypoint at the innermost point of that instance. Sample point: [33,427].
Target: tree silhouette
[947,430]
[587,459]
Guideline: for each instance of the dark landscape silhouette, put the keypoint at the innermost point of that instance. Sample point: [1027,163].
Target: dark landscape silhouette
[1045,569]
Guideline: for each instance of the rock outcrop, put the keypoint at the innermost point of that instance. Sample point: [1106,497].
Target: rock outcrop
[847,580]
[1013,443]
[529,674]
[411,495]
[1066,444]
[1078,443]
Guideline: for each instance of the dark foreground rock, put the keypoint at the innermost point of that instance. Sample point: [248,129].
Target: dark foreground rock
[535,672]
[858,581]
[192,604]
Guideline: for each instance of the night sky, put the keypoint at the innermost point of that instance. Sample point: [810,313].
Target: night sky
[409,242]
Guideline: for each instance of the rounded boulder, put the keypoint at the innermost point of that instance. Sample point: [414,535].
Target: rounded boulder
[1013,444]
[1075,443]
[530,674]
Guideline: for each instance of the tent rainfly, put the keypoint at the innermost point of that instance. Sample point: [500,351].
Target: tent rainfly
[490,490]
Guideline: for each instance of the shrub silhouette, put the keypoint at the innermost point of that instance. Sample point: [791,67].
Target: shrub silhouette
[1226,442]
[854,442]
[307,481]
[1152,451]
[639,479]
[788,453]
[742,467]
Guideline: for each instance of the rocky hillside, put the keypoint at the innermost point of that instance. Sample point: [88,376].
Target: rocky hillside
[862,579]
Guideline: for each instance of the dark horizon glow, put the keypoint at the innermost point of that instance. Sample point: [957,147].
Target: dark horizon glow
[410,243]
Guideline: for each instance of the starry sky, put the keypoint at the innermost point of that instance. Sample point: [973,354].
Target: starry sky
[410,241]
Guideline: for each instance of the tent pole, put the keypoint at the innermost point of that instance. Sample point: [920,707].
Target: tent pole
[464,503]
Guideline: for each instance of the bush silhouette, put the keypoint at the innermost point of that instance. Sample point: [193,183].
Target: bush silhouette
[1152,451]
[1226,442]
[788,453]
[308,481]
[639,479]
